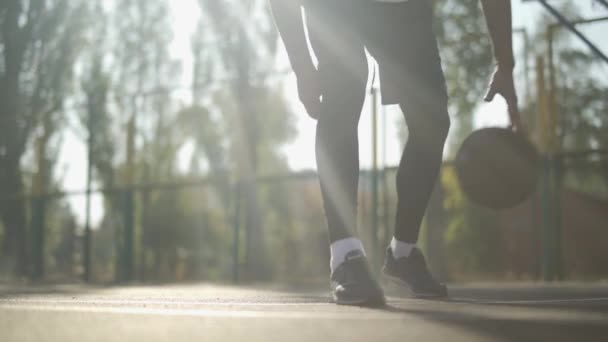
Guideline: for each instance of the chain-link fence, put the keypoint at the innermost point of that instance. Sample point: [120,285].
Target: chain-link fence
[274,229]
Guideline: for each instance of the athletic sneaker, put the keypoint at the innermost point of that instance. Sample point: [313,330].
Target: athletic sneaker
[413,273]
[352,283]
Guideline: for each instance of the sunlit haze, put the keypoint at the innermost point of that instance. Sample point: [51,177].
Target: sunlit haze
[300,151]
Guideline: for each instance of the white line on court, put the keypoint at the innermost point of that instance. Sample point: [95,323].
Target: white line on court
[233,302]
[535,301]
[249,302]
[150,302]
[205,312]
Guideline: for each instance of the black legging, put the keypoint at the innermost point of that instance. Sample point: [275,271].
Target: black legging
[420,93]
[338,165]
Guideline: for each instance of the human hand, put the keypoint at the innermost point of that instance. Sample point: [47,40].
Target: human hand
[502,83]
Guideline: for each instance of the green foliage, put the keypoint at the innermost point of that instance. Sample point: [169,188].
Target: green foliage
[466,53]
[583,101]
[60,239]
[472,237]
[208,133]
[96,120]
[254,116]
[190,225]
[581,108]
[39,43]
[583,118]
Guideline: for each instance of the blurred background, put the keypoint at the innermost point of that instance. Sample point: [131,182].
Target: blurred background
[163,141]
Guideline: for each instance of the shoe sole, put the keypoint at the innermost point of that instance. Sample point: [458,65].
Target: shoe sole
[419,295]
[371,302]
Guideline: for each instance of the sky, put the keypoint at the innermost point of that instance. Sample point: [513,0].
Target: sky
[300,152]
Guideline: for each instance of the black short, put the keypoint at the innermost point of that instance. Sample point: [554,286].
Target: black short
[398,35]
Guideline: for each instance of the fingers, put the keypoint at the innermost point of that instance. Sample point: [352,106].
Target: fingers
[504,87]
[490,93]
[512,107]
[515,117]
[514,114]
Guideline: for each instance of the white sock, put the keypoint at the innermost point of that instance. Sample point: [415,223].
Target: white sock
[401,249]
[340,248]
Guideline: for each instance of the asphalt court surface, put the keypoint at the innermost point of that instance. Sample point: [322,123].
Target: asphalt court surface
[563,312]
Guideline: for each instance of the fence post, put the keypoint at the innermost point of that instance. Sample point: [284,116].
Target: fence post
[236,232]
[37,223]
[545,236]
[551,225]
[127,262]
[557,216]
[374,213]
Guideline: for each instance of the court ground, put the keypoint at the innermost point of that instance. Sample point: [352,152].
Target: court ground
[566,312]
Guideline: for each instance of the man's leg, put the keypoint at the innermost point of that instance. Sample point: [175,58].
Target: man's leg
[343,74]
[337,148]
[428,123]
[412,77]
[342,66]
[403,42]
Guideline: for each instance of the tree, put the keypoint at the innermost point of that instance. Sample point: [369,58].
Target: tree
[582,114]
[38,44]
[467,59]
[245,40]
[581,103]
[142,84]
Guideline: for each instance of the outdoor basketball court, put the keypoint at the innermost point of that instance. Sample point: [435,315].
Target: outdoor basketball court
[205,312]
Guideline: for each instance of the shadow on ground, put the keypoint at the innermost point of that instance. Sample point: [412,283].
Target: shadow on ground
[511,328]
[19,291]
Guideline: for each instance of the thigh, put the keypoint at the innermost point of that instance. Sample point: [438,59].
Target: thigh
[400,37]
[340,53]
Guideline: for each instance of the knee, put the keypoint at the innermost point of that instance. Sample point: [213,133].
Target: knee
[337,122]
[426,114]
[341,110]
[334,132]
[431,130]
[438,112]
[443,124]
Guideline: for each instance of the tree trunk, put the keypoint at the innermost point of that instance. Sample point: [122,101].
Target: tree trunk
[11,183]
[255,241]
[14,245]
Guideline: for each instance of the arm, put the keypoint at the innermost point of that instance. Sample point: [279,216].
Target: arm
[498,19]
[289,21]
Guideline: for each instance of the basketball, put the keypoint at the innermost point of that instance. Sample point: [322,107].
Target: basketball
[497,167]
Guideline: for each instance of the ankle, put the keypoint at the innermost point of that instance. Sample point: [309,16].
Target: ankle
[401,249]
[339,249]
